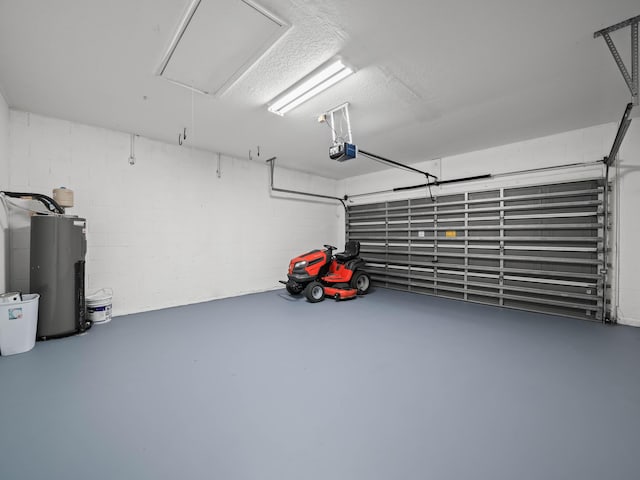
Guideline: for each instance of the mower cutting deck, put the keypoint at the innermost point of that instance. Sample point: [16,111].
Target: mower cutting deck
[321,274]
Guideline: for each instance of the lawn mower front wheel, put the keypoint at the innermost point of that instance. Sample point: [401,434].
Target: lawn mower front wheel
[314,292]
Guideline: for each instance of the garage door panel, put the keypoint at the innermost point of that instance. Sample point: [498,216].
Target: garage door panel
[537,248]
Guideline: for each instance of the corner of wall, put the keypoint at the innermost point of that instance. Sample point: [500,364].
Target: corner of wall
[630,322]
[627,300]
[4,142]
[4,183]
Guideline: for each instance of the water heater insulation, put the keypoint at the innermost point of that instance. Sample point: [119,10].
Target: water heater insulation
[64,196]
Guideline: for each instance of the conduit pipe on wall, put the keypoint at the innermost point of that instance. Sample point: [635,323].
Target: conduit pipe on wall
[272,163]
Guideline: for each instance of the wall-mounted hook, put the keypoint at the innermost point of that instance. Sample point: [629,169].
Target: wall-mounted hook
[182,136]
[258,151]
[184,133]
[132,151]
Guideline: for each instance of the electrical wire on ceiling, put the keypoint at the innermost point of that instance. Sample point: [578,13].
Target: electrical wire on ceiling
[341,125]
[339,139]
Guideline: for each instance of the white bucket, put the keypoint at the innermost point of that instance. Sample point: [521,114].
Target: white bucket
[99,306]
[18,324]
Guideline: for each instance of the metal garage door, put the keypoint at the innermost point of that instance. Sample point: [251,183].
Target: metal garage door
[538,248]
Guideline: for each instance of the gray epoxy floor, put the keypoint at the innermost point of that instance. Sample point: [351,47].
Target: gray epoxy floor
[388,386]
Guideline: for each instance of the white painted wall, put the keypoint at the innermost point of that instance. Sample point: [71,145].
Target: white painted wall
[4,184]
[585,145]
[628,168]
[167,231]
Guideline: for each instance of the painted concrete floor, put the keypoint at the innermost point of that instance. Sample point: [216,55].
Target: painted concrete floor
[388,386]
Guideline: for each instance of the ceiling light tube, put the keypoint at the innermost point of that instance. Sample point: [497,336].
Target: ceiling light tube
[307,85]
[316,83]
[314,91]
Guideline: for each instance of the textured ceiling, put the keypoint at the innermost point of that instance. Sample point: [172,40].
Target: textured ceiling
[433,78]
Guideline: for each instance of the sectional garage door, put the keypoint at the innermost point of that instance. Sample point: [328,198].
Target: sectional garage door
[538,248]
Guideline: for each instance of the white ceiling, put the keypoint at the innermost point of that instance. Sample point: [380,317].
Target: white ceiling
[433,78]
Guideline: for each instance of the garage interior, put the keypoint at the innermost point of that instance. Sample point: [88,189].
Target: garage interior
[492,188]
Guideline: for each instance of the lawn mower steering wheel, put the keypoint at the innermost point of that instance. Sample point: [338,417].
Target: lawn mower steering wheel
[330,247]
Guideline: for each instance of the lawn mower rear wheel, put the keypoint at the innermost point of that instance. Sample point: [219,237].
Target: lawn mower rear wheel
[361,282]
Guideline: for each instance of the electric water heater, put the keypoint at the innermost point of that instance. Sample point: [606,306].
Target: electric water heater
[58,249]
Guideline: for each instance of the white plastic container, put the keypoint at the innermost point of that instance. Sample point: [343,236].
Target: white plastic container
[10,297]
[99,306]
[18,325]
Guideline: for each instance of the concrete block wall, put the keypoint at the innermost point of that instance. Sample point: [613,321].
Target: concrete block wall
[584,145]
[167,231]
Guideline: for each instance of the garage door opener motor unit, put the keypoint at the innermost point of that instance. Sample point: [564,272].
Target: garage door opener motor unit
[342,147]
[343,151]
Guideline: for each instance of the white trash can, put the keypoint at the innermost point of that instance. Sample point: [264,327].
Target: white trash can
[18,324]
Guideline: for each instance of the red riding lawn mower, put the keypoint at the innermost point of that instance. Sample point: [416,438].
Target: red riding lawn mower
[319,273]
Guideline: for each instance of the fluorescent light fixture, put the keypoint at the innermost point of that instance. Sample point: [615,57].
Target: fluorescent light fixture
[313,85]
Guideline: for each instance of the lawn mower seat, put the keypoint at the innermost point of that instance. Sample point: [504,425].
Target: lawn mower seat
[351,250]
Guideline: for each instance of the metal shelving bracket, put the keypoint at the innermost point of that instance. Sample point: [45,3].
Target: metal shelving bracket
[630,79]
